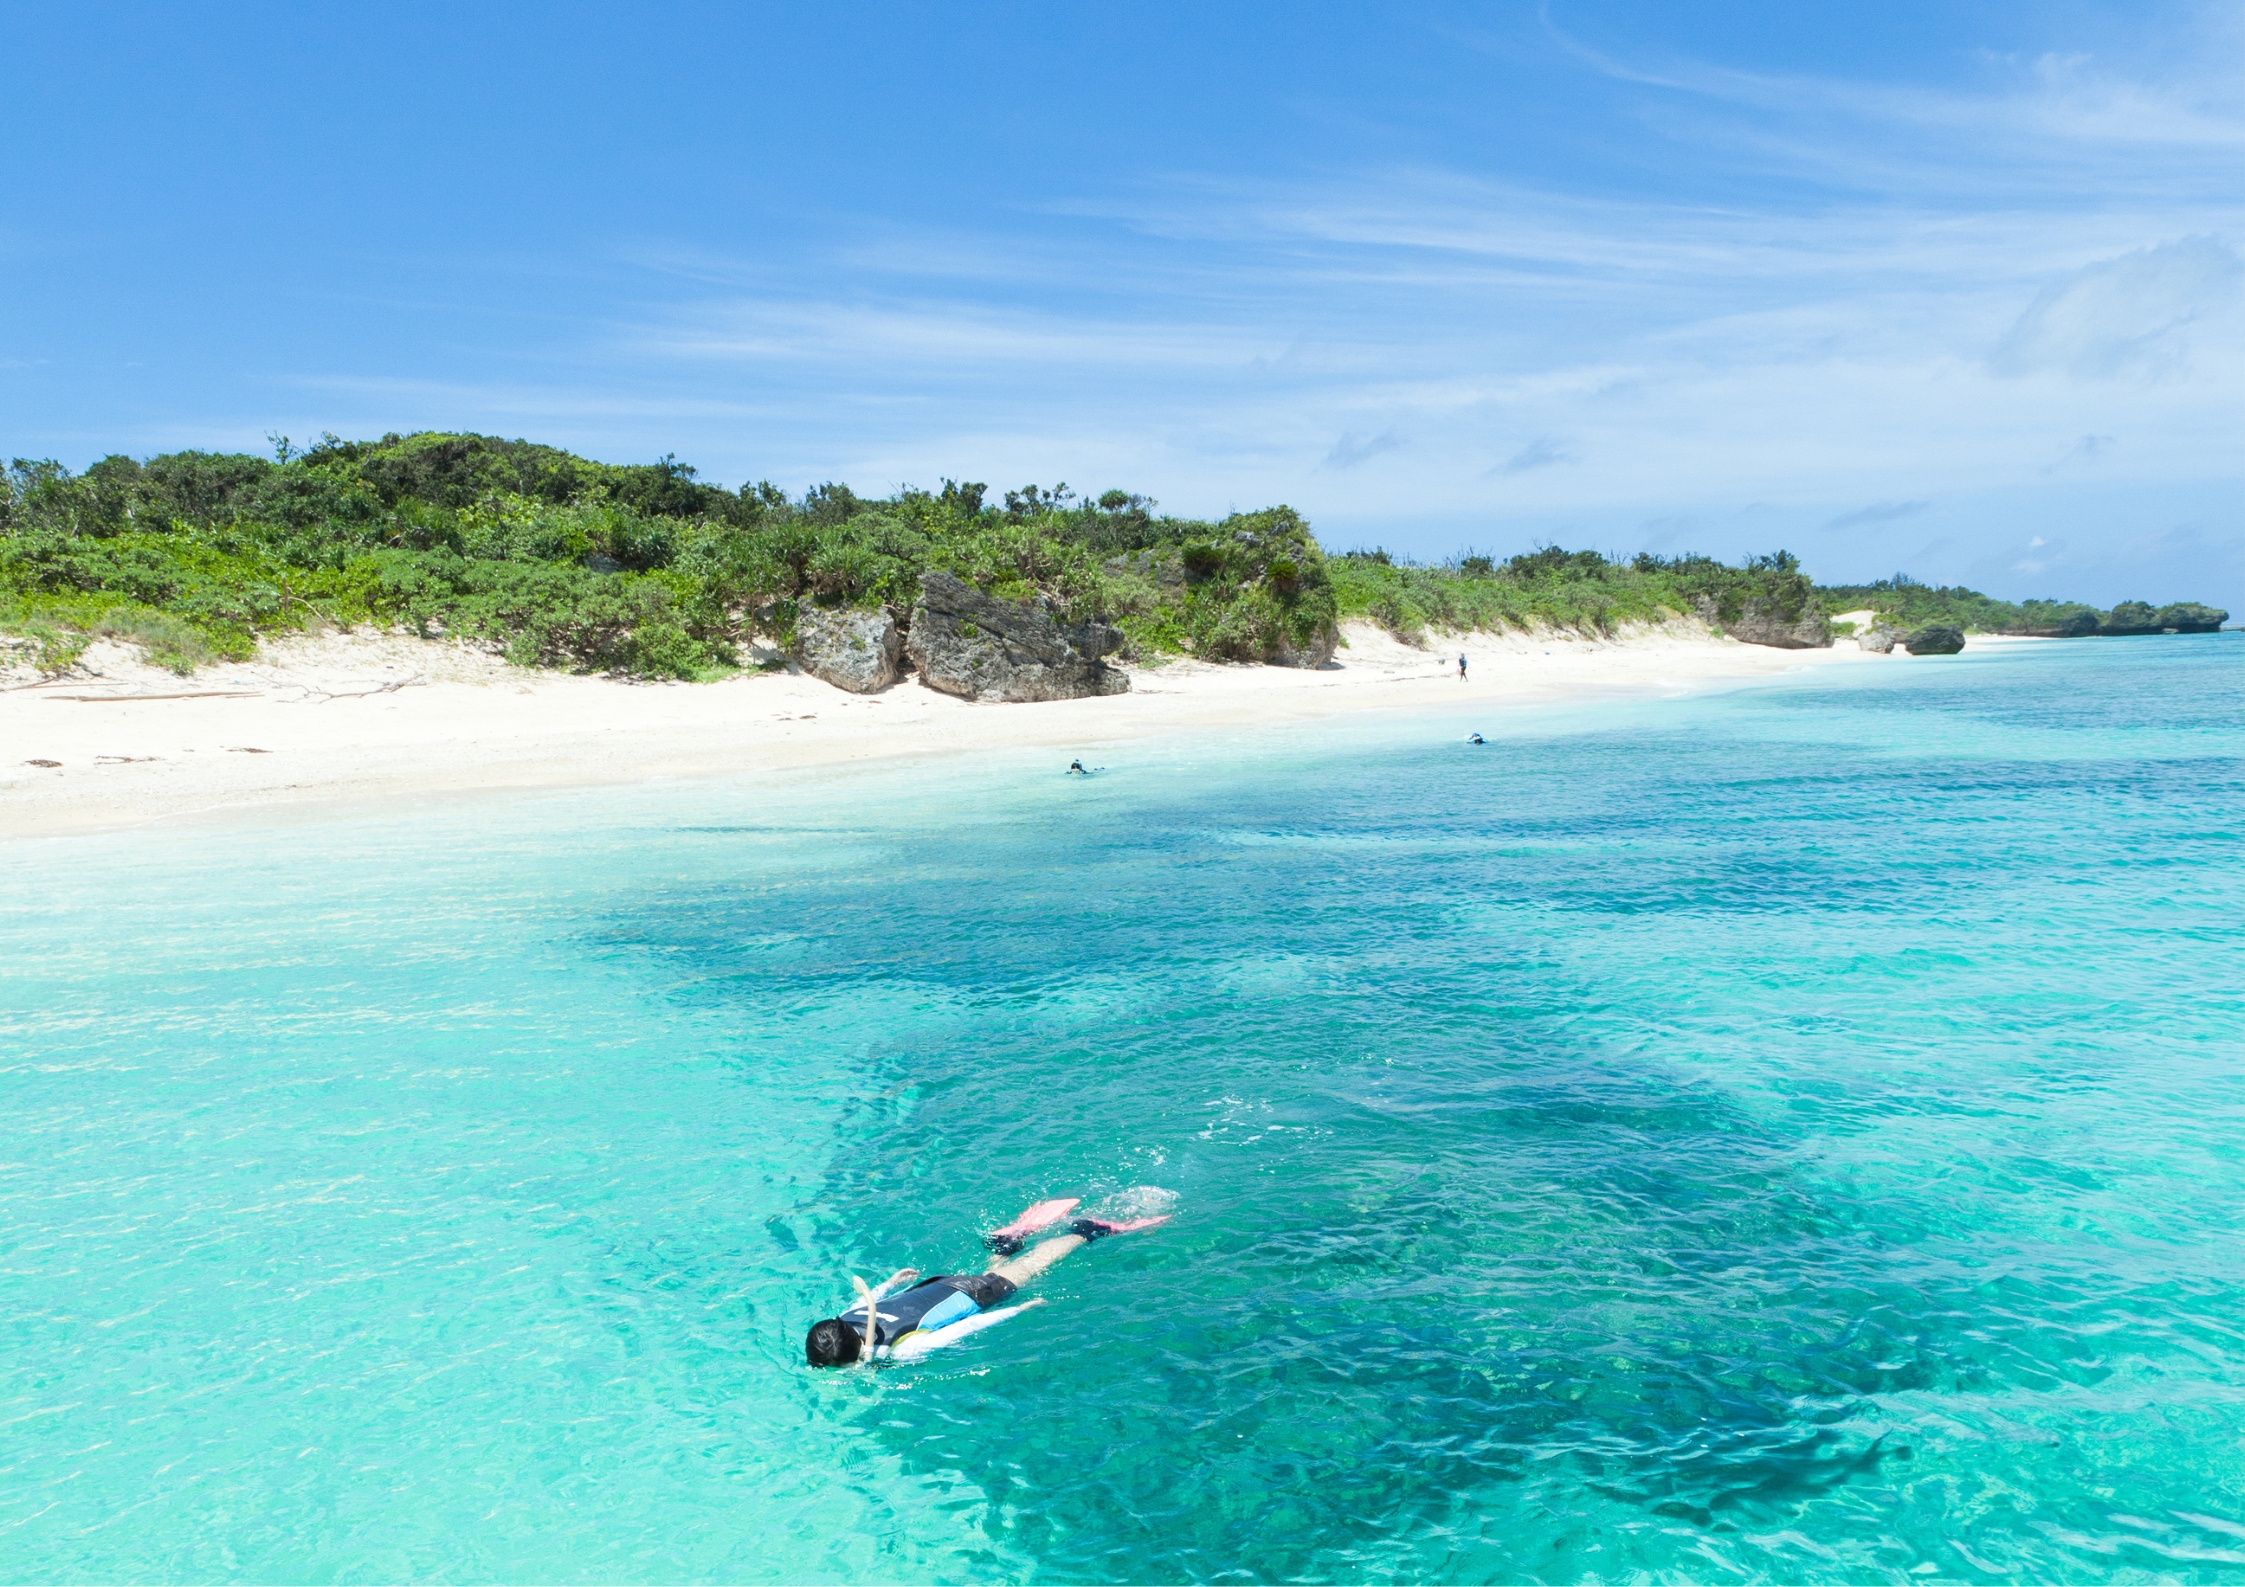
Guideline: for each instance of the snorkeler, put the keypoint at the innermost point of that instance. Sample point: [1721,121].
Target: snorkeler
[946,1308]
[1475,738]
[1076,769]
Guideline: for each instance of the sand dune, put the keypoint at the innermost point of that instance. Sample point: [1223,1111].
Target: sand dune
[368,716]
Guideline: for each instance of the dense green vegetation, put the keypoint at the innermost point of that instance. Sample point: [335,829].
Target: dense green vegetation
[649,570]
[1578,590]
[1908,604]
[564,562]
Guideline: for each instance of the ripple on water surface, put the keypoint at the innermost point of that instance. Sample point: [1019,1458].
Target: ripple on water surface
[1789,1134]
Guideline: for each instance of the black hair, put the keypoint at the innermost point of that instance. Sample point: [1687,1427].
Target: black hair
[832,1343]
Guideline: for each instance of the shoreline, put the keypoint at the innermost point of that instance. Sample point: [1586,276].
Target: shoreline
[341,718]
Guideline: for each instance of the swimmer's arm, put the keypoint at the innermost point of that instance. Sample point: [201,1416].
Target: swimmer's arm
[880,1292]
[920,1344]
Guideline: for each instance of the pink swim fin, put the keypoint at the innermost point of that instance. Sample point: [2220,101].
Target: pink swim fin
[1042,1216]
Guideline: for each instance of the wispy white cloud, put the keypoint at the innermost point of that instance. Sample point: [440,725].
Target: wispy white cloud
[2053,118]
[2087,449]
[2041,556]
[949,333]
[1953,296]
[2124,316]
[1348,451]
[1543,452]
[534,400]
[1878,512]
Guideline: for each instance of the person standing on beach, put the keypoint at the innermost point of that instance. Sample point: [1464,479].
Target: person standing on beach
[1461,669]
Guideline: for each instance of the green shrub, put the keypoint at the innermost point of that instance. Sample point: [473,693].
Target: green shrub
[165,640]
[2189,617]
[646,569]
[1579,591]
[1905,604]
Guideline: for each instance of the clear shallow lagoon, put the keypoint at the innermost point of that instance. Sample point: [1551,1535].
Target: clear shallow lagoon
[1794,1134]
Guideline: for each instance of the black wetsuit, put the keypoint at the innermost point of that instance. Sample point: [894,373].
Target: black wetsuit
[932,1303]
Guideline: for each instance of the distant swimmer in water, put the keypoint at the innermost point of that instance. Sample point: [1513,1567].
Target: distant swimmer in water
[933,1312]
[1475,738]
[1076,769]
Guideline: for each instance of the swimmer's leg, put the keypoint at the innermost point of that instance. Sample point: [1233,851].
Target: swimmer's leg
[1009,1240]
[1021,1269]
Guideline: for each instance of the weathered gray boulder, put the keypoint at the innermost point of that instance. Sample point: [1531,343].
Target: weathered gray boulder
[1759,625]
[1935,639]
[858,651]
[1314,651]
[968,643]
[1877,637]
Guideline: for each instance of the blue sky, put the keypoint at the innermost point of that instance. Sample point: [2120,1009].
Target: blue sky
[1951,289]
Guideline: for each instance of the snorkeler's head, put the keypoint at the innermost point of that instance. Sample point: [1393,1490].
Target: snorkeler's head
[832,1343]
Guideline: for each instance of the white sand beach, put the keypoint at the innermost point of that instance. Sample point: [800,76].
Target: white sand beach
[368,716]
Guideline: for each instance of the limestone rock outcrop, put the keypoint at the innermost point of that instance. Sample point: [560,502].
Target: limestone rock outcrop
[2081,625]
[858,651]
[1758,624]
[1935,639]
[1314,651]
[2189,617]
[967,643]
[2130,617]
[1878,637]
[2184,617]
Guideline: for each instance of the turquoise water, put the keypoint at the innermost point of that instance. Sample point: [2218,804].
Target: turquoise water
[1792,1134]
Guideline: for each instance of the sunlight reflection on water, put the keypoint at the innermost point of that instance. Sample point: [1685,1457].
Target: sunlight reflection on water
[1784,1134]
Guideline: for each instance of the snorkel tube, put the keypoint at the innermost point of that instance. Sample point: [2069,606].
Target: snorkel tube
[872,1317]
[903,1275]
